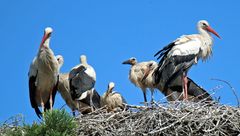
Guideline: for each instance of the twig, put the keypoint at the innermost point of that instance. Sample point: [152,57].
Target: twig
[233,90]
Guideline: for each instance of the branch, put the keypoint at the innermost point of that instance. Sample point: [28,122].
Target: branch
[233,90]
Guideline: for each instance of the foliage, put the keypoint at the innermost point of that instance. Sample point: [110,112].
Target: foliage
[54,123]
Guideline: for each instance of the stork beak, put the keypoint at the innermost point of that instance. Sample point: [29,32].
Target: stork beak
[127,62]
[45,37]
[110,90]
[212,31]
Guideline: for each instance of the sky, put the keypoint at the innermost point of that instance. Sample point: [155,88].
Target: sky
[109,32]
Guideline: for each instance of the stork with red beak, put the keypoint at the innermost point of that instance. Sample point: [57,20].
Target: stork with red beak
[43,76]
[178,57]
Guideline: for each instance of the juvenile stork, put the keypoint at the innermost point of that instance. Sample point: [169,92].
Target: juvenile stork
[112,99]
[140,75]
[43,76]
[82,79]
[64,89]
[178,57]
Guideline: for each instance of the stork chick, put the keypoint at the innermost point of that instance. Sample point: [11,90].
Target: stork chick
[140,75]
[112,99]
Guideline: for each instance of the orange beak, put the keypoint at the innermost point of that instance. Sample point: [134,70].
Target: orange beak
[212,31]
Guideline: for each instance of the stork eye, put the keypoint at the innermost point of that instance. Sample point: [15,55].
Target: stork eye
[204,24]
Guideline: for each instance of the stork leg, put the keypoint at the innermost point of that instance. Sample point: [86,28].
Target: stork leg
[51,101]
[185,89]
[43,107]
[145,97]
[73,112]
[152,98]
[42,103]
[91,101]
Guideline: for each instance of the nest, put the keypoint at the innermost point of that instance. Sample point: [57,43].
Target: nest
[178,118]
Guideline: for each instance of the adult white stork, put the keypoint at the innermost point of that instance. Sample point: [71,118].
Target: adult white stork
[181,54]
[82,79]
[43,76]
[112,99]
[140,75]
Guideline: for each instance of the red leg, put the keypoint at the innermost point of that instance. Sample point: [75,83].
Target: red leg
[183,87]
[185,81]
[42,103]
[51,101]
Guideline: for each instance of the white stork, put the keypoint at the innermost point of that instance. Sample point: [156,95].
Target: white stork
[64,89]
[181,54]
[43,76]
[140,75]
[82,79]
[112,99]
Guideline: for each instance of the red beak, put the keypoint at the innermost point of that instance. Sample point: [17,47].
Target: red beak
[43,40]
[45,36]
[212,31]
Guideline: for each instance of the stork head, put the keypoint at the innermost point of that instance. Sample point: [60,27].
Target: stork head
[83,59]
[60,60]
[46,36]
[110,87]
[131,61]
[204,25]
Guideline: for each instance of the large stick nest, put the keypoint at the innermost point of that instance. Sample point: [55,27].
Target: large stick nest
[178,118]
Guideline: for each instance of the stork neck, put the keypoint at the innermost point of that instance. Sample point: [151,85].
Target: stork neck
[205,33]
[134,63]
[83,60]
[46,43]
[60,65]
[84,63]
[109,90]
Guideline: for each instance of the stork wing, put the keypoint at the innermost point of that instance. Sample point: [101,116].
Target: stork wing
[178,56]
[32,76]
[80,81]
[91,72]
[194,90]
[150,67]
[95,99]
[72,81]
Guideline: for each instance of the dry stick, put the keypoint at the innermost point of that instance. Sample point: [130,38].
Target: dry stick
[233,90]
[213,118]
[171,125]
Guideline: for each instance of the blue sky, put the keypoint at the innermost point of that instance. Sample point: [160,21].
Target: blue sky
[109,32]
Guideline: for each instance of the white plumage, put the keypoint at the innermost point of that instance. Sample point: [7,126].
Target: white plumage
[43,76]
[182,53]
[82,79]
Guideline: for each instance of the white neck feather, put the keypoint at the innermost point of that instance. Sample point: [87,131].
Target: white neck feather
[207,42]
[47,42]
